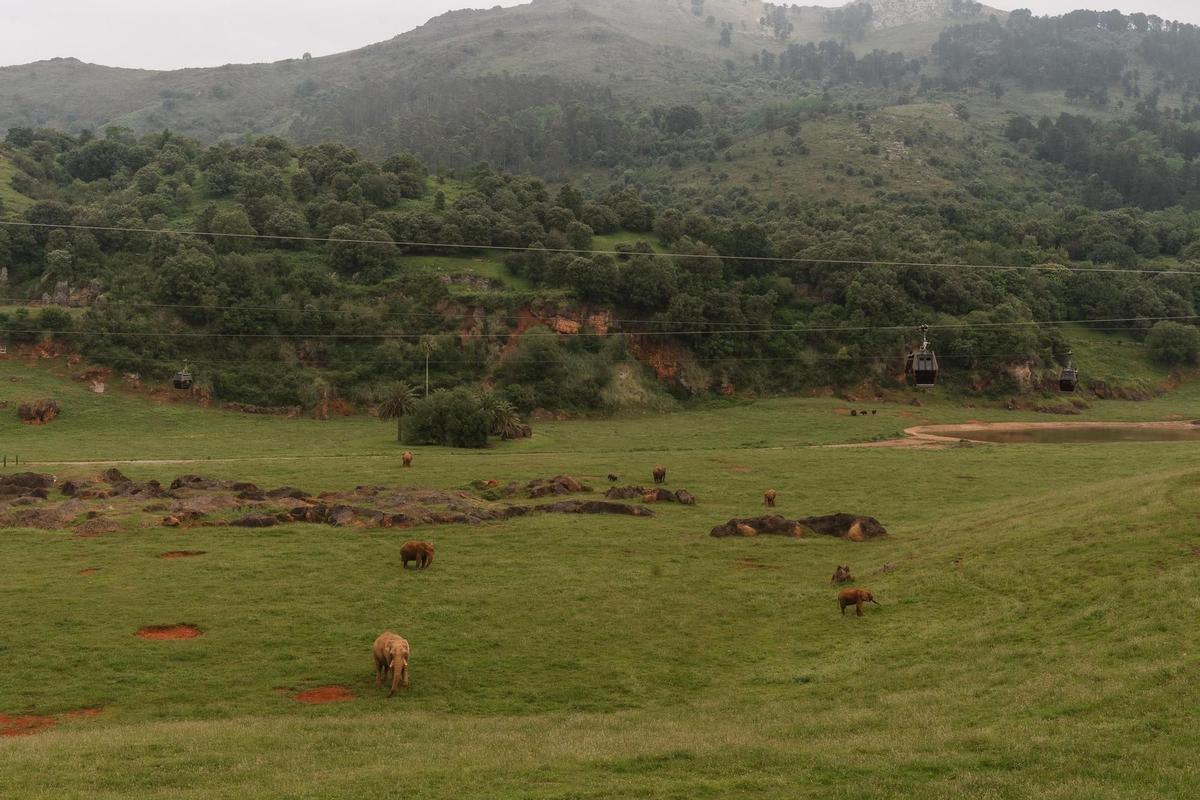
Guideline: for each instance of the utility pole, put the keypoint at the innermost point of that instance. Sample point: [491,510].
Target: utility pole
[428,345]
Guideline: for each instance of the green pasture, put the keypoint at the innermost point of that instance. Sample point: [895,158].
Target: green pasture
[1037,635]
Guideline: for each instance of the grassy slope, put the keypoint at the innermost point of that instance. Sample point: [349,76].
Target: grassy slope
[616,657]
[11,201]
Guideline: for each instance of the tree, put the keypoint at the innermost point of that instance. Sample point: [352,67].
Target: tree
[397,403]
[1174,345]
[234,231]
[451,418]
[506,422]
[579,236]
[683,118]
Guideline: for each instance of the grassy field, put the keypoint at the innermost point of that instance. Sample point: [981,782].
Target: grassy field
[1036,638]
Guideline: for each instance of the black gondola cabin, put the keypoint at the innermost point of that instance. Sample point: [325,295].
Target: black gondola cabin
[923,369]
[922,366]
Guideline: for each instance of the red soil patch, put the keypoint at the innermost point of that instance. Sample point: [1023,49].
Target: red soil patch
[29,724]
[325,694]
[165,632]
[89,571]
[183,554]
[84,713]
[24,726]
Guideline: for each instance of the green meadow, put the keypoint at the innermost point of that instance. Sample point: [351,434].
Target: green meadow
[1037,635]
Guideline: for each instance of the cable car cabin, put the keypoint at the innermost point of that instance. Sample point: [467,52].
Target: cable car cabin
[922,369]
[183,380]
[1068,381]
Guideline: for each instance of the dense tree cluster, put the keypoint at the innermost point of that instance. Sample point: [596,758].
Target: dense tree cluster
[1148,160]
[833,63]
[852,21]
[317,260]
[1068,52]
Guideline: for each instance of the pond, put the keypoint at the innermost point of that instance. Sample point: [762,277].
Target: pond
[1064,433]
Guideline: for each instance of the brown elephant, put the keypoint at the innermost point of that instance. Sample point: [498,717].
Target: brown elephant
[856,598]
[769,497]
[841,575]
[420,552]
[660,474]
[391,655]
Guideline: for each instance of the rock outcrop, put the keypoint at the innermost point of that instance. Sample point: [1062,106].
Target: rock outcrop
[39,412]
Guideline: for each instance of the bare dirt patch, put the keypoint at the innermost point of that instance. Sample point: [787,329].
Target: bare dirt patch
[30,724]
[84,713]
[324,694]
[169,632]
[87,573]
[24,725]
[183,554]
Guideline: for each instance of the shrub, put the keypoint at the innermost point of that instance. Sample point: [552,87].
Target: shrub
[454,418]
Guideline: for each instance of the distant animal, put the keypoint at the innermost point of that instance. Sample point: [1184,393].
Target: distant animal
[660,474]
[613,478]
[841,575]
[873,412]
[856,598]
[391,655]
[420,552]
[685,497]
[853,413]
[407,458]
[769,497]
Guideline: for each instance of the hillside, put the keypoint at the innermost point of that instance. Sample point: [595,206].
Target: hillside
[719,225]
[633,51]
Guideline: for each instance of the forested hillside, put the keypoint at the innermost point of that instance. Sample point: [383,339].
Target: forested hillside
[756,213]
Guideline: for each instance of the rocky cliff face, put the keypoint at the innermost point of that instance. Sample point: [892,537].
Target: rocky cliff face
[894,13]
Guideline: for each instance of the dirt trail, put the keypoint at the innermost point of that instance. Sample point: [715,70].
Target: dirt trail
[938,437]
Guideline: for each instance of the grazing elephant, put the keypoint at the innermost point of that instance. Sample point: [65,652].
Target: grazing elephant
[660,474]
[420,552]
[407,458]
[769,497]
[613,478]
[856,598]
[841,575]
[391,655]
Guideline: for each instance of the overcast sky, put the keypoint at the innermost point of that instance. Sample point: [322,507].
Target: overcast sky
[156,34]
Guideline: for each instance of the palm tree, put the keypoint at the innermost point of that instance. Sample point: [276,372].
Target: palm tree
[506,421]
[397,402]
[502,417]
